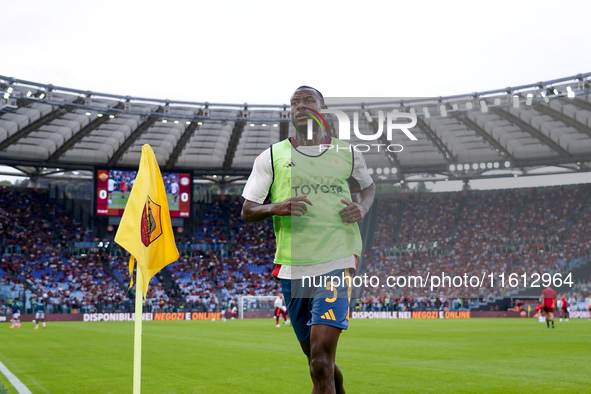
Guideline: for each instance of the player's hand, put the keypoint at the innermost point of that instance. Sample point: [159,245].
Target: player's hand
[352,213]
[293,206]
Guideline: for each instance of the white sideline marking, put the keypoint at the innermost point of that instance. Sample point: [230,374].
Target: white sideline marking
[18,385]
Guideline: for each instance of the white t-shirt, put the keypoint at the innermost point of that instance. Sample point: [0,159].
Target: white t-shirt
[257,189]
[278,302]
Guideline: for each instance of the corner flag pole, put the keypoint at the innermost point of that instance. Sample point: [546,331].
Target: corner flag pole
[137,343]
[145,231]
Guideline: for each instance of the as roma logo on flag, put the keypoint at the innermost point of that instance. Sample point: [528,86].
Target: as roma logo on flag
[151,225]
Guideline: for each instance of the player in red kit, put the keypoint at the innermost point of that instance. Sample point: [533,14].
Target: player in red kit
[564,308]
[123,187]
[280,310]
[548,304]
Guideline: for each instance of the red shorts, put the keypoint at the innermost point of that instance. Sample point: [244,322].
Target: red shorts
[549,303]
[548,309]
[280,312]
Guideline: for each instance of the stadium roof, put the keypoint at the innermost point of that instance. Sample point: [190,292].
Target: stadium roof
[543,127]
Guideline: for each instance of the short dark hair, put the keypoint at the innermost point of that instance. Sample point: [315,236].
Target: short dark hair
[314,89]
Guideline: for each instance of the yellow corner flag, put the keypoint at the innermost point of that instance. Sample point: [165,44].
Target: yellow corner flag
[145,230]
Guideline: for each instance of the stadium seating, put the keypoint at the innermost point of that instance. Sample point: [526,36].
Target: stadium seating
[513,231]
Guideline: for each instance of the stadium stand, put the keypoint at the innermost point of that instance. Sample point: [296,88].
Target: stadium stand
[521,128]
[517,230]
[507,132]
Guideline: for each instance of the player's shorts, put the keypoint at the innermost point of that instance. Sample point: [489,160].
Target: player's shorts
[40,315]
[284,312]
[16,315]
[548,309]
[310,303]
[549,302]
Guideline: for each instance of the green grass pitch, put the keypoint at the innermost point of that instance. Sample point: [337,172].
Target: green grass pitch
[117,202]
[253,356]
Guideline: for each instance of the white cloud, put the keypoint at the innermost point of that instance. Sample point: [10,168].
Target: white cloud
[259,51]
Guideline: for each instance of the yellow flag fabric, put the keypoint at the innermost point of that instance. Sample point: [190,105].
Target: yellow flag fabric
[145,230]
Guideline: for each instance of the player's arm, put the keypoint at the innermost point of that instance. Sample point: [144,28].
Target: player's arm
[356,211]
[367,196]
[257,189]
[254,212]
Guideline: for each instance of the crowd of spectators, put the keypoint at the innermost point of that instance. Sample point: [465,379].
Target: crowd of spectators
[246,267]
[36,237]
[580,297]
[520,231]
[192,275]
